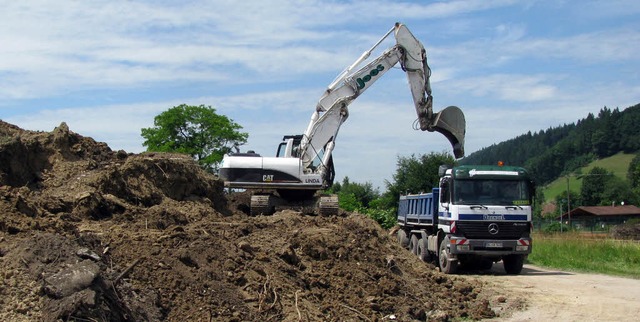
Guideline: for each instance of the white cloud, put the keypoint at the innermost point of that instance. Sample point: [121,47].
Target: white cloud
[51,47]
[516,87]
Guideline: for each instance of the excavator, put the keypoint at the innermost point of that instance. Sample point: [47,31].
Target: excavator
[303,165]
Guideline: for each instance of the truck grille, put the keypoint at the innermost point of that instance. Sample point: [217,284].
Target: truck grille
[487,229]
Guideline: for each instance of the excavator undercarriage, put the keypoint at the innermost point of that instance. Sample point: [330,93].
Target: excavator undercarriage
[308,203]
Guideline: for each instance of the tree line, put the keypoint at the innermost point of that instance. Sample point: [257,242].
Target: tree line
[557,151]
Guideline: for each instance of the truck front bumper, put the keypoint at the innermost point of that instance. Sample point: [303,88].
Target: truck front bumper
[461,245]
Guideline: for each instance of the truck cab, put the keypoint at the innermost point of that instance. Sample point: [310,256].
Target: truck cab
[485,214]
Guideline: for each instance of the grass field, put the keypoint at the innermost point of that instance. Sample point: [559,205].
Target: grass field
[579,253]
[618,164]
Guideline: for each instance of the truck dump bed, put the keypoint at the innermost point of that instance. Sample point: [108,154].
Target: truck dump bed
[419,210]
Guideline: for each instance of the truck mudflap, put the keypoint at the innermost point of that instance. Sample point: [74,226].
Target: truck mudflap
[461,245]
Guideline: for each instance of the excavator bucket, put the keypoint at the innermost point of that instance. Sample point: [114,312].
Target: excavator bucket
[450,122]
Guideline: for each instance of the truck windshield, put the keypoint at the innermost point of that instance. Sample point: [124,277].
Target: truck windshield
[491,192]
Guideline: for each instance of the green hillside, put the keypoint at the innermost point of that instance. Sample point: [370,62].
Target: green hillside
[612,137]
[618,164]
[551,153]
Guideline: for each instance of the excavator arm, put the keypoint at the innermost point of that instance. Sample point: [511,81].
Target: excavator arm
[332,108]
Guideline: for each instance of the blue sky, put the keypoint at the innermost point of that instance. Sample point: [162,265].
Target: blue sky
[106,68]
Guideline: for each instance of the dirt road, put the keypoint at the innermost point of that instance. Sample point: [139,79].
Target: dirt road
[551,295]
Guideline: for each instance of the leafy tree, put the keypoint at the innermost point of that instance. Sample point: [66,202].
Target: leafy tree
[354,195]
[538,202]
[593,184]
[561,201]
[385,217]
[349,202]
[416,174]
[633,174]
[616,191]
[364,192]
[194,130]
[364,199]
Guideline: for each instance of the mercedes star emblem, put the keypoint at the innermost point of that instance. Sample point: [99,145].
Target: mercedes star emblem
[493,228]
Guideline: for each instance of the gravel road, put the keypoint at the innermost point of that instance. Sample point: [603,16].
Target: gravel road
[551,295]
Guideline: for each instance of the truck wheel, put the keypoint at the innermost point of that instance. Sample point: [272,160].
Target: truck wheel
[413,244]
[403,239]
[423,252]
[446,266]
[513,264]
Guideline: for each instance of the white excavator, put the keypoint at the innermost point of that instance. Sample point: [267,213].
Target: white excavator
[303,164]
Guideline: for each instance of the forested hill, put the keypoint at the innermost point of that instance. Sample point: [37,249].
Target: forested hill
[552,152]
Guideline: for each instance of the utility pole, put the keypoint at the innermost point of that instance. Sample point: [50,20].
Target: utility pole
[568,202]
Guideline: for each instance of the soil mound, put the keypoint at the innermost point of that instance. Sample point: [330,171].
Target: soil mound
[629,231]
[87,233]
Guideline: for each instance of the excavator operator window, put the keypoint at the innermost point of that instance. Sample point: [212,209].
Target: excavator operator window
[282,148]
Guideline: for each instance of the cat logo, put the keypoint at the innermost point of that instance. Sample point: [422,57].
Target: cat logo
[267,178]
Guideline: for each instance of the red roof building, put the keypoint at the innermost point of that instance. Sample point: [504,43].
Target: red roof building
[597,215]
[605,211]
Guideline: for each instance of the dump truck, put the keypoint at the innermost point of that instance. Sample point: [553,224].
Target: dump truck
[477,216]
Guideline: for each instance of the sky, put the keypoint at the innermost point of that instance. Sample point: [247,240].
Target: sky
[107,68]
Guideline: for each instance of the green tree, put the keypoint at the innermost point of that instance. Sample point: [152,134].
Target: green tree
[561,201]
[593,184]
[364,199]
[355,195]
[194,130]
[616,191]
[416,174]
[538,203]
[364,192]
[633,174]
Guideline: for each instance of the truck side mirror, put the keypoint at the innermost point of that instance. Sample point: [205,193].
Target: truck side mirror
[442,169]
[532,190]
[445,192]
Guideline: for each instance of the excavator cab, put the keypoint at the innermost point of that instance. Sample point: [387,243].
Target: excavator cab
[289,147]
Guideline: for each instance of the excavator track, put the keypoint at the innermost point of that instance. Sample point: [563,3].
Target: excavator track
[262,204]
[328,205]
[268,203]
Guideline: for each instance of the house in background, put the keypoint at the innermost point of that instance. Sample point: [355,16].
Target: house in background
[600,217]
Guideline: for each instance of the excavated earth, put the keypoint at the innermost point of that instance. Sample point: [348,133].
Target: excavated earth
[91,234]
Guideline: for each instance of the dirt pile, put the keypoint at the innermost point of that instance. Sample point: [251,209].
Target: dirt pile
[629,231]
[87,233]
